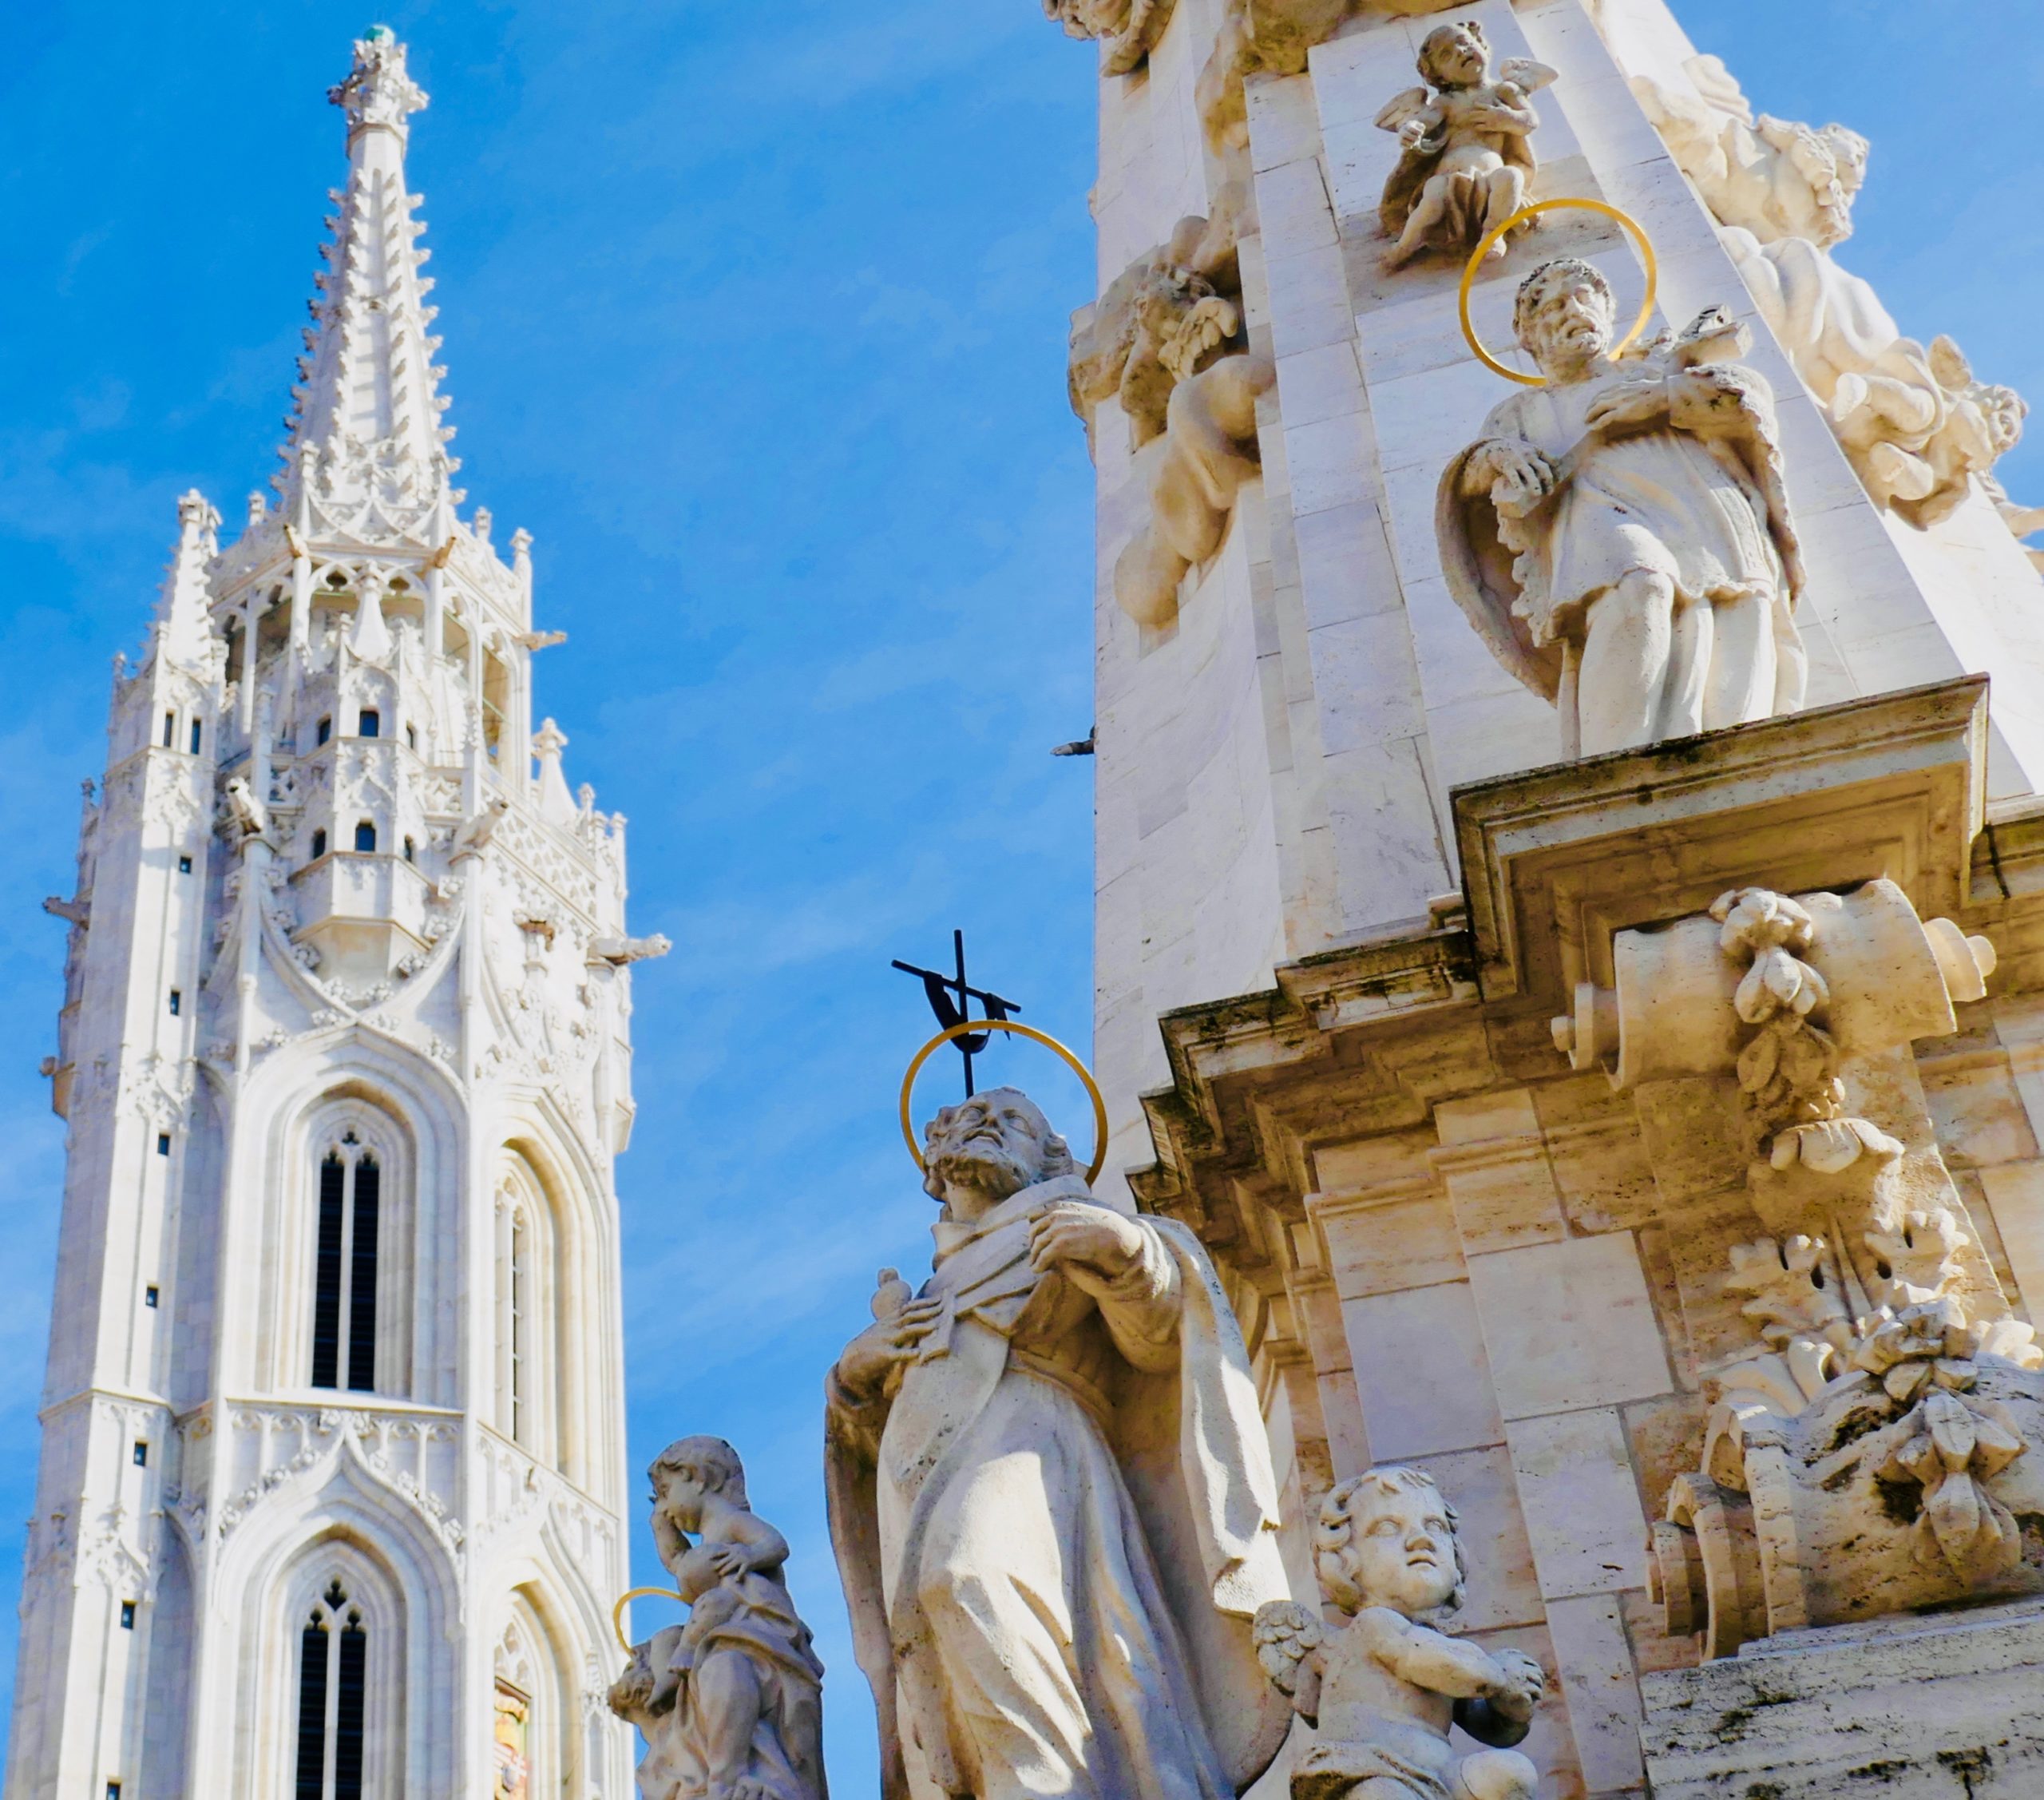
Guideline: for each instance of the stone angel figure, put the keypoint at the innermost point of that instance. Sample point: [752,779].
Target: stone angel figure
[1384,1689]
[730,1701]
[1621,537]
[1468,157]
[1051,1494]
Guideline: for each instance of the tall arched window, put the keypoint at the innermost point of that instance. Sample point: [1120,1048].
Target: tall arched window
[529,1352]
[344,1272]
[333,1687]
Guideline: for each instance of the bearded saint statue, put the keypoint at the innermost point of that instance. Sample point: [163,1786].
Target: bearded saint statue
[1051,1494]
[1621,535]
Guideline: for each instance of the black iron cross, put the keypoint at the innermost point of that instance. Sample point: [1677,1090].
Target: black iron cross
[939,989]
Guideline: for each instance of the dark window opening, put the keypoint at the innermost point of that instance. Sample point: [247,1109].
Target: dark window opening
[162,1143]
[362,1278]
[344,1272]
[365,836]
[333,1691]
[127,1615]
[151,1296]
[184,865]
[312,1643]
[411,736]
[141,1453]
[325,730]
[176,1003]
[318,845]
[114,1790]
[411,852]
[369,723]
[196,739]
[354,1685]
[326,1276]
[169,729]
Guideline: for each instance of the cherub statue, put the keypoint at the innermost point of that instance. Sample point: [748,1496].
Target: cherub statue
[1467,160]
[730,1701]
[1383,1690]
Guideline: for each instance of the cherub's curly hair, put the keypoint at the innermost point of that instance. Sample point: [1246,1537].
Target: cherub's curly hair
[1335,1529]
[1440,35]
[709,1461]
[1535,288]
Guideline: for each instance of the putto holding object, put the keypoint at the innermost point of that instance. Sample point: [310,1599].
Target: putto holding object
[730,1701]
[1468,157]
[1384,1690]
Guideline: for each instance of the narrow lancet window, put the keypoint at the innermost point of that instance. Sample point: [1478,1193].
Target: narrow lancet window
[344,1269]
[332,1687]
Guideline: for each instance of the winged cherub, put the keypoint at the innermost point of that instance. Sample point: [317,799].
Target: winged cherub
[1467,161]
[1384,1689]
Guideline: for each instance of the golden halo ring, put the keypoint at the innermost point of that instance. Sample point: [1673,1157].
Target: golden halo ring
[1632,226]
[966,1027]
[625,1600]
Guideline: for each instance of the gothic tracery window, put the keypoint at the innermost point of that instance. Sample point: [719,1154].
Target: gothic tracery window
[344,1274]
[333,1686]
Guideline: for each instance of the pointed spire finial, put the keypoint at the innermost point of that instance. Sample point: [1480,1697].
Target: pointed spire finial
[379,92]
[184,629]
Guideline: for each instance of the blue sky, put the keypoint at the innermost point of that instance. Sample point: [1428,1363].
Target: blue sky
[755,318]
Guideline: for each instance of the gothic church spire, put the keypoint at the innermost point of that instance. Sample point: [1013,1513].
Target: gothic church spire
[365,435]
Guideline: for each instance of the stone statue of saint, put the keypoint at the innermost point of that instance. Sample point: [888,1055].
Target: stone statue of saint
[730,1701]
[1051,1495]
[1621,537]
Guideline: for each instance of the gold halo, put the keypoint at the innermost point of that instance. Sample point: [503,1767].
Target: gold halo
[1035,1036]
[1639,237]
[625,1600]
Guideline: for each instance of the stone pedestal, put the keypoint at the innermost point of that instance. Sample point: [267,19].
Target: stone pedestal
[1938,1708]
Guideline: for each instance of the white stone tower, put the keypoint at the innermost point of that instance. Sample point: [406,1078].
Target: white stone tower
[333,1462]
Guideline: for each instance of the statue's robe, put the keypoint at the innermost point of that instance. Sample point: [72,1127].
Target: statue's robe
[1709,512]
[1055,1536]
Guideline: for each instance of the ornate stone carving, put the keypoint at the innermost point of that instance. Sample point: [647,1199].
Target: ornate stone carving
[993,1515]
[1621,537]
[1874,1451]
[1467,158]
[1383,1689]
[1130,28]
[1917,427]
[1166,340]
[1775,177]
[730,1702]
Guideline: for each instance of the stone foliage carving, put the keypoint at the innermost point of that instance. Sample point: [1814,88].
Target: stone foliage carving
[730,1701]
[1919,429]
[1167,342]
[1620,537]
[1383,1688]
[1876,1451]
[1131,28]
[1051,1494]
[1467,159]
